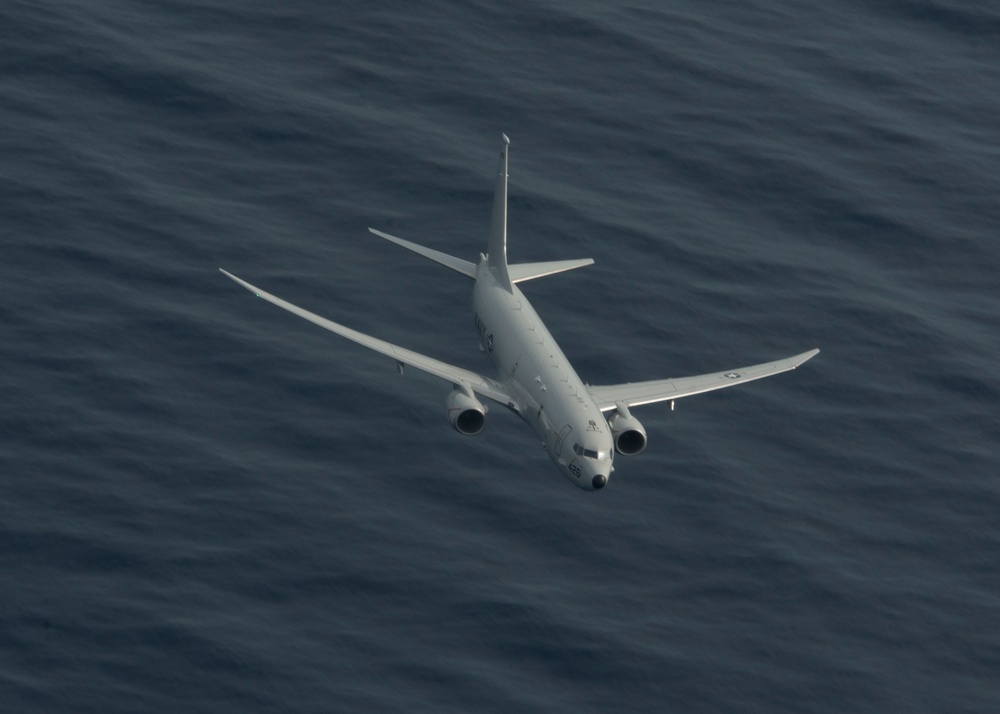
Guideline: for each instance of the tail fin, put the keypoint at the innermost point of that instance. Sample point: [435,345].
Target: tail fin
[497,247]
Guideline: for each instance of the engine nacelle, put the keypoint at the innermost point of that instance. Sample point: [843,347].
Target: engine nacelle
[627,431]
[466,413]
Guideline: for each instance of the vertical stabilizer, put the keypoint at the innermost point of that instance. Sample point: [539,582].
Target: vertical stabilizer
[497,249]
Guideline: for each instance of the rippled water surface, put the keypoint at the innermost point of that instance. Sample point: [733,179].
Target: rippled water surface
[207,504]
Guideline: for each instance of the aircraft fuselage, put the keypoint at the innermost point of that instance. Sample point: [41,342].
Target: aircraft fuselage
[551,397]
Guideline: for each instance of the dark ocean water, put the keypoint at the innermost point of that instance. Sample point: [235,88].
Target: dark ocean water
[207,504]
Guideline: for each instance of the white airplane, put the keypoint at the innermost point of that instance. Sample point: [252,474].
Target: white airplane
[581,426]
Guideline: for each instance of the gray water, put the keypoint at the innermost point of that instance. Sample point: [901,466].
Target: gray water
[207,504]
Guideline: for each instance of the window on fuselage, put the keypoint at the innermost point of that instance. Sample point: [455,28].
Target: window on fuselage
[590,453]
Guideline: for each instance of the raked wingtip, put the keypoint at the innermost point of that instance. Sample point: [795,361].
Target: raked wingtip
[806,356]
[255,290]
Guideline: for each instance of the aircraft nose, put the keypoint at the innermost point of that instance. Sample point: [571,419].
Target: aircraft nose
[599,481]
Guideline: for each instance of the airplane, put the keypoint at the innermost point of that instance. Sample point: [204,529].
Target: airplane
[581,426]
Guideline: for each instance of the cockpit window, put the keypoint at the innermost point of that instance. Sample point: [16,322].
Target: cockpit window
[590,453]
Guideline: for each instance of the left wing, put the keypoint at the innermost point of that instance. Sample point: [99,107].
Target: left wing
[484,386]
[660,390]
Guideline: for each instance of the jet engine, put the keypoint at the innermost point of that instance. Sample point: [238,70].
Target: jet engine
[466,413]
[628,433]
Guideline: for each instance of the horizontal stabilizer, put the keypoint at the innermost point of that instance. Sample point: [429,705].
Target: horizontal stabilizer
[457,264]
[529,271]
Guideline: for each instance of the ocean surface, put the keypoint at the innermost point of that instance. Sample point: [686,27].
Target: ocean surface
[210,505]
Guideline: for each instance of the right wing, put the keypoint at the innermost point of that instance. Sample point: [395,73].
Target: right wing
[484,386]
[660,390]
